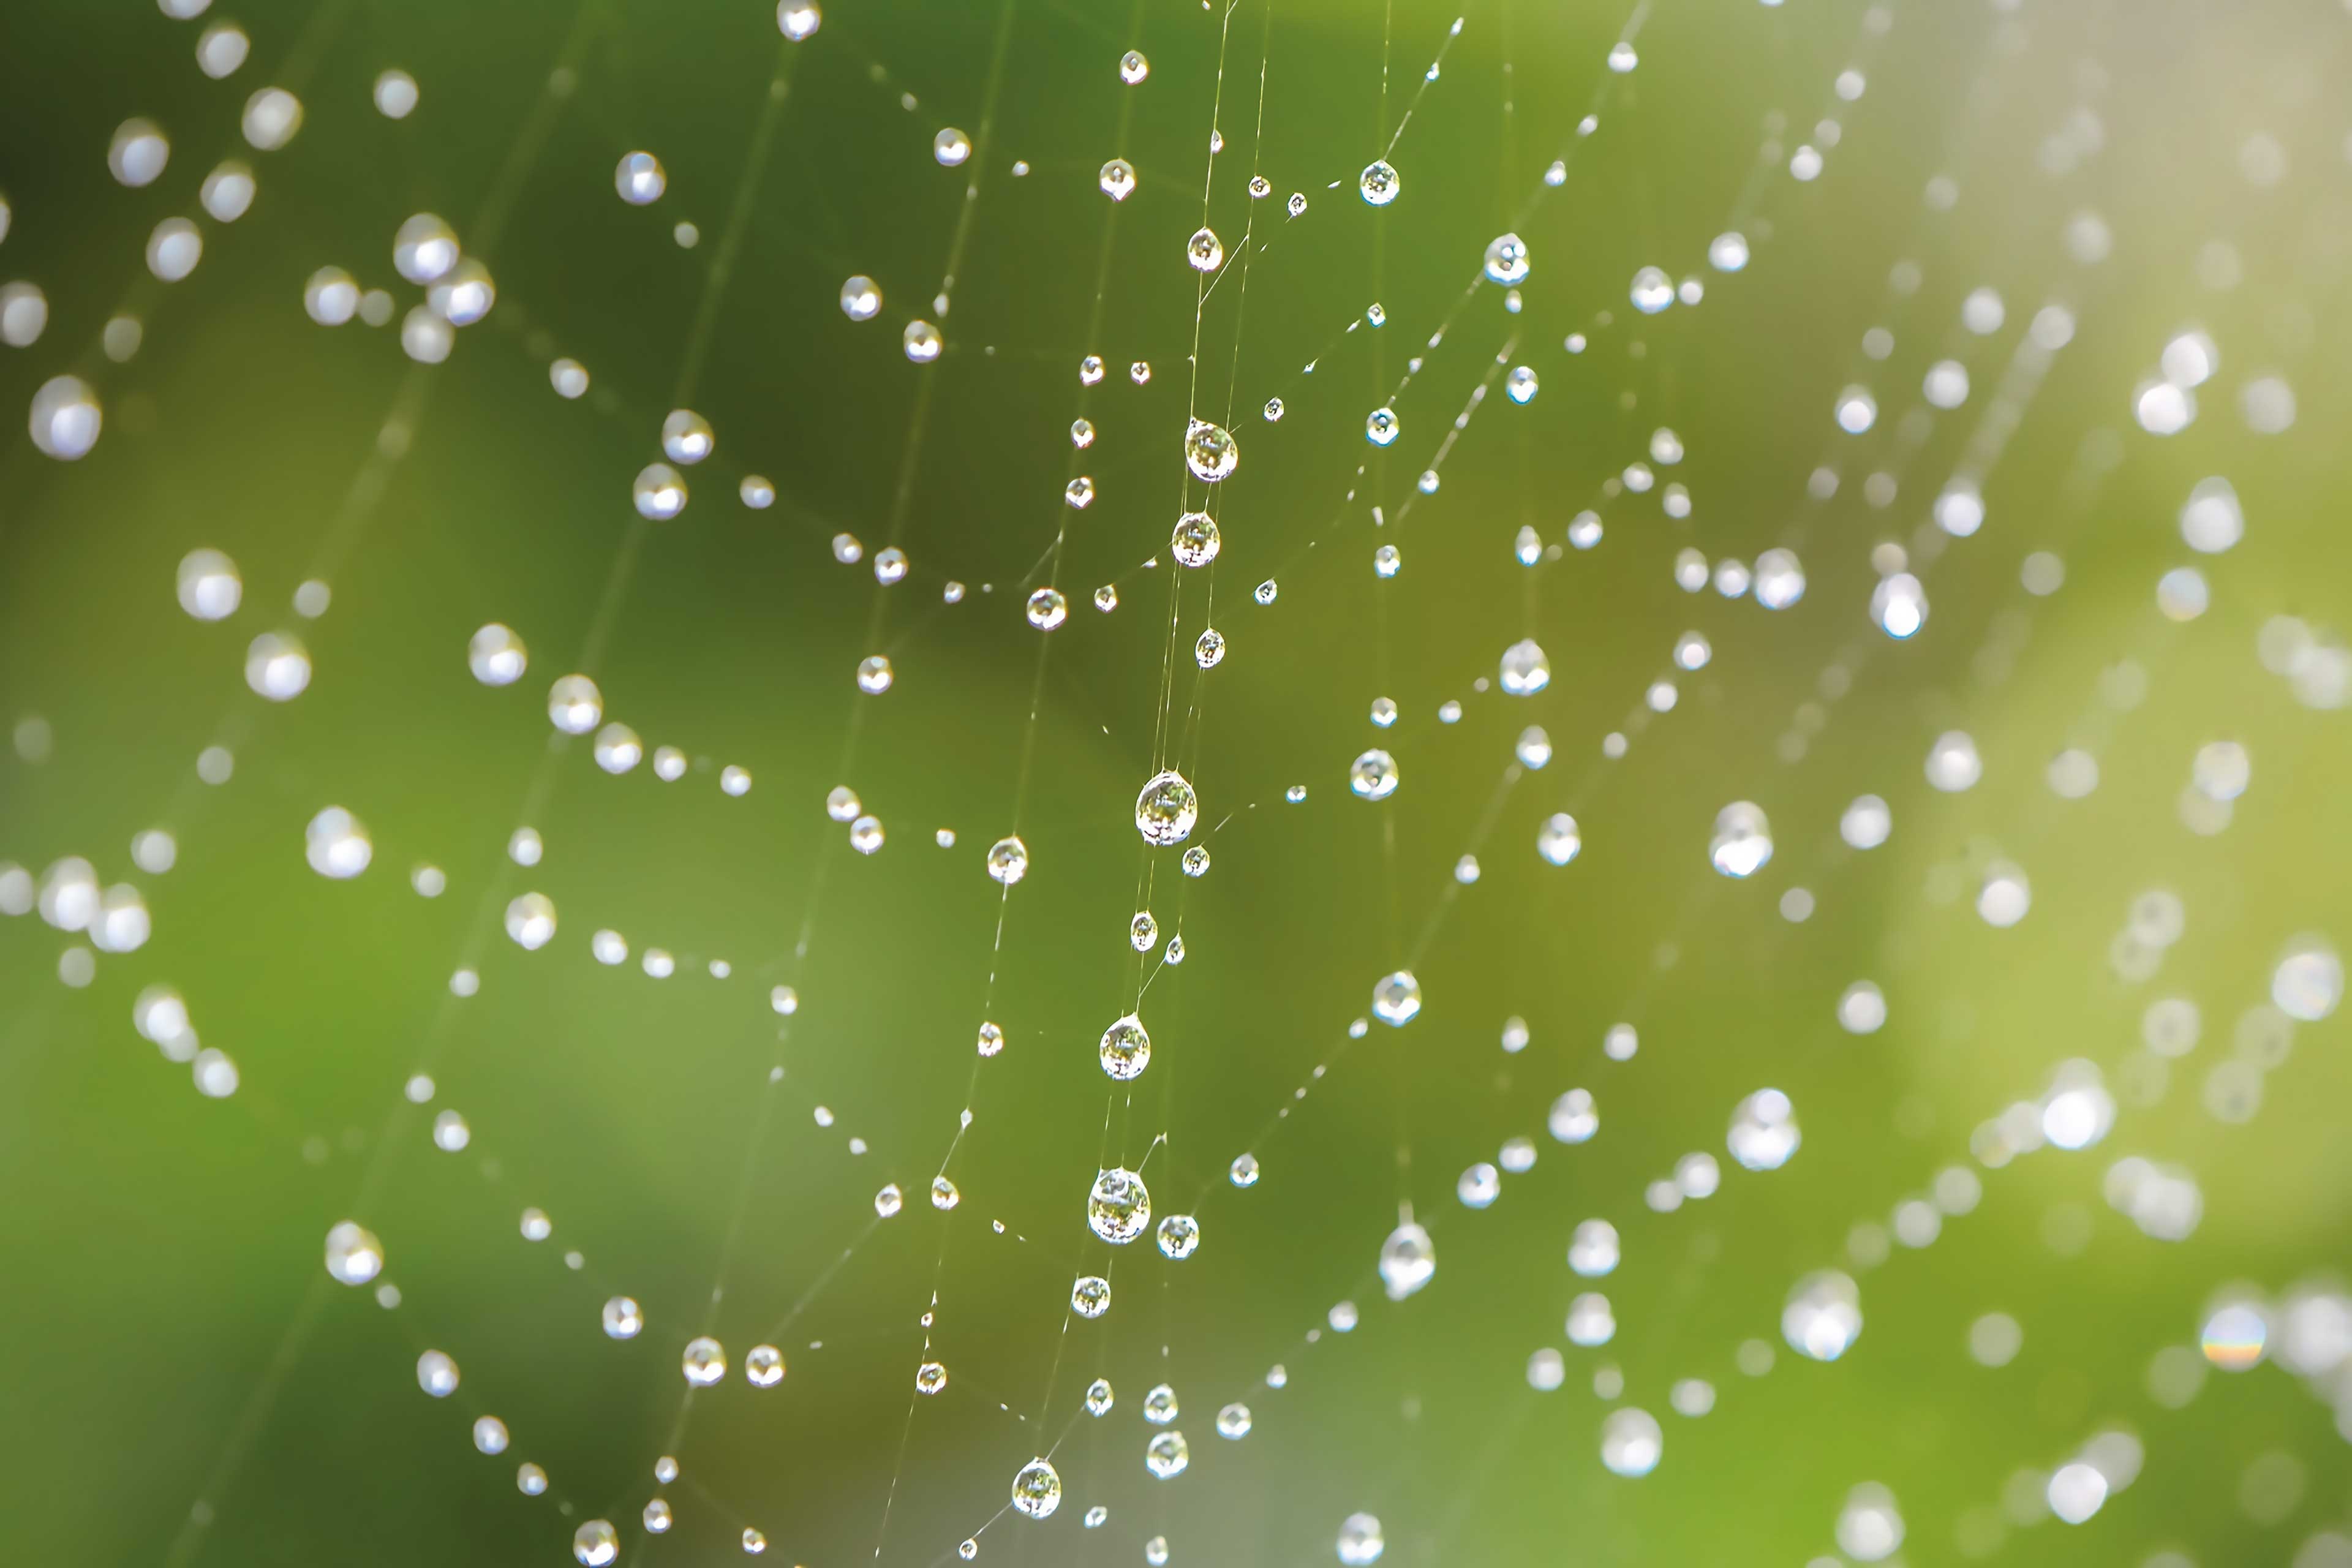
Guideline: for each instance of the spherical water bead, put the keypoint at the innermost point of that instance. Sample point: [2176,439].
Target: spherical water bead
[2212,520]
[226,194]
[1823,1315]
[1870,1526]
[1592,1251]
[1166,808]
[665,1469]
[2076,1492]
[464,294]
[573,704]
[1036,1489]
[530,1479]
[1195,540]
[1296,205]
[395,94]
[337,845]
[2235,1336]
[1374,775]
[423,249]
[1857,410]
[1899,605]
[1952,763]
[621,1319]
[1407,1261]
[1742,844]
[65,418]
[175,247]
[1631,1442]
[1507,260]
[138,152]
[1196,861]
[1379,184]
[1209,452]
[658,1517]
[950,147]
[330,297]
[450,1131]
[618,749]
[1557,840]
[1946,385]
[2005,896]
[1651,291]
[930,1377]
[1396,1000]
[437,1374]
[1521,385]
[569,377]
[1479,1187]
[1380,427]
[686,437]
[1119,1207]
[764,1367]
[1780,579]
[1244,1170]
[24,314]
[874,675]
[1079,493]
[209,587]
[1861,1008]
[1047,609]
[271,118]
[1764,1132]
[1099,1397]
[1126,1046]
[1209,651]
[798,20]
[221,49]
[1118,179]
[1204,251]
[2308,983]
[1090,1296]
[1525,668]
[1008,860]
[426,336]
[921,342]
[489,1434]
[641,179]
[531,921]
[1133,67]
[354,1255]
[1589,1320]
[1166,1456]
[1360,1542]
[704,1362]
[596,1544]
[1387,560]
[1959,509]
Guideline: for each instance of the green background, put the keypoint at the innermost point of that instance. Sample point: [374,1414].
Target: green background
[170,1338]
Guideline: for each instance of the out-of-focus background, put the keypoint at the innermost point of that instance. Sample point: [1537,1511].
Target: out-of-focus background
[183,1380]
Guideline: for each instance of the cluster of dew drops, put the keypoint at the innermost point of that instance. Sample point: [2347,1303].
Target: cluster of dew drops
[2309,1331]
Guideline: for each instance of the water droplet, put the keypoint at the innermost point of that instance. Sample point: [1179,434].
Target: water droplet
[1742,844]
[704,1362]
[1036,1489]
[1209,452]
[1118,1207]
[1166,809]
